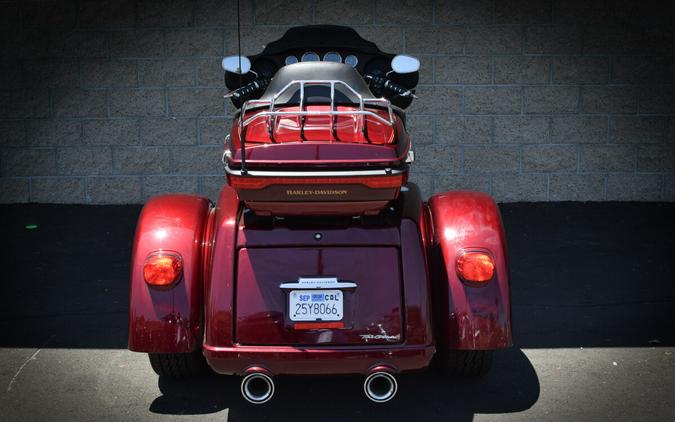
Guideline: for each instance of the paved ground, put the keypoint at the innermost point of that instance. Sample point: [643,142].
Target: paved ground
[594,324]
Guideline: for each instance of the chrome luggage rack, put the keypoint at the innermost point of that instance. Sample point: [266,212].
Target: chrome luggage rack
[271,114]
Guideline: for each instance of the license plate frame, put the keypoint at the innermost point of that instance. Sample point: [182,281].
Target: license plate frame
[309,303]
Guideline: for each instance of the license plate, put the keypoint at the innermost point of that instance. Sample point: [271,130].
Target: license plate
[315,305]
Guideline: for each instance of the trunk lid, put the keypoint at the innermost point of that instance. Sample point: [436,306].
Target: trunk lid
[371,311]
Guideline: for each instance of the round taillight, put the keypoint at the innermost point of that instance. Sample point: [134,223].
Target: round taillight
[162,268]
[475,267]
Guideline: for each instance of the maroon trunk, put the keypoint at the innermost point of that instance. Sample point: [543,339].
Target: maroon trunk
[372,310]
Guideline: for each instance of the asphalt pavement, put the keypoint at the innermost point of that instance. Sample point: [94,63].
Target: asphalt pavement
[593,318]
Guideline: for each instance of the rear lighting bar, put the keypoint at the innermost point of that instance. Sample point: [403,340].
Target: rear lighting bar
[374,182]
[317,325]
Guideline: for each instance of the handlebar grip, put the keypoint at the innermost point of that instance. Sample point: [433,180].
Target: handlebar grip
[249,90]
[380,83]
[398,89]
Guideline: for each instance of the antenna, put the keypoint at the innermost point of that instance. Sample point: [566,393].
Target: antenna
[242,141]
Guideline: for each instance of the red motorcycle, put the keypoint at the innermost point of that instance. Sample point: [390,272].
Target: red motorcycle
[319,256]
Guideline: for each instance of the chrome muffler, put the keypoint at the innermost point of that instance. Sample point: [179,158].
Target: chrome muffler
[380,386]
[257,387]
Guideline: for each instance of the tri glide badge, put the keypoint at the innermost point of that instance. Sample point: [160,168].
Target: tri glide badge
[386,337]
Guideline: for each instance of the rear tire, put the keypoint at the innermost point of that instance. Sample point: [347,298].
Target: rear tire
[178,365]
[466,363]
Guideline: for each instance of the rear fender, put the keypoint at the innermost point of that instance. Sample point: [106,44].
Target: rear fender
[169,320]
[470,317]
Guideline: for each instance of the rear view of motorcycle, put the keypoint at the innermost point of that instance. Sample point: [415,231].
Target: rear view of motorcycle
[320,257]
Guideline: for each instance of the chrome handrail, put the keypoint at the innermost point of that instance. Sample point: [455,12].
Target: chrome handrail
[271,113]
[317,113]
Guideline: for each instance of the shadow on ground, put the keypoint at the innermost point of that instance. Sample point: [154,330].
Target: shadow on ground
[511,386]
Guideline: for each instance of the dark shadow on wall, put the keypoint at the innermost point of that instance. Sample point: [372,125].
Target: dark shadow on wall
[66,282]
[592,274]
[511,386]
[583,274]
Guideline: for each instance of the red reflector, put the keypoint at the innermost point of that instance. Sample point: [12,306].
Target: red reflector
[476,267]
[162,268]
[317,325]
[373,182]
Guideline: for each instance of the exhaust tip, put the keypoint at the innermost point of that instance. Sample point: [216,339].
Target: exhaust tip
[380,386]
[257,388]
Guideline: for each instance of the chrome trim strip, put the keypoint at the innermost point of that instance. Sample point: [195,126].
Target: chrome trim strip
[318,282]
[300,286]
[346,173]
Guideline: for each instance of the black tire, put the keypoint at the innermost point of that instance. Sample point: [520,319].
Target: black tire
[178,365]
[466,363]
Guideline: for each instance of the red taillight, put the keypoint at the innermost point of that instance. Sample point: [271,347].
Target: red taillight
[374,182]
[475,267]
[162,268]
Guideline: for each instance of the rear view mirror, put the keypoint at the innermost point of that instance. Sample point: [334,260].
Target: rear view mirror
[232,63]
[402,63]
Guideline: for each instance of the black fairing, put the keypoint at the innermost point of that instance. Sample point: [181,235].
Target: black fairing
[321,39]
[321,36]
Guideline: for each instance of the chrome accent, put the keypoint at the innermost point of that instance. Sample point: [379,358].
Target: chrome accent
[338,173]
[335,54]
[232,64]
[338,285]
[332,83]
[309,53]
[333,127]
[271,113]
[227,153]
[387,393]
[352,60]
[410,158]
[312,283]
[403,63]
[257,397]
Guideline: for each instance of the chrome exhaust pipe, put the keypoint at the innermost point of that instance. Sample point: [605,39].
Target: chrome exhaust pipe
[257,387]
[380,386]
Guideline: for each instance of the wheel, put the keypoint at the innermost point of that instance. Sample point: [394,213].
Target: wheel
[178,365]
[466,363]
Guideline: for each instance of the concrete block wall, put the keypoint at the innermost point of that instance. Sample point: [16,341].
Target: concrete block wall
[113,101]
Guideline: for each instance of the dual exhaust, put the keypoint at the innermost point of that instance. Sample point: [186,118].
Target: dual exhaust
[380,386]
[257,387]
